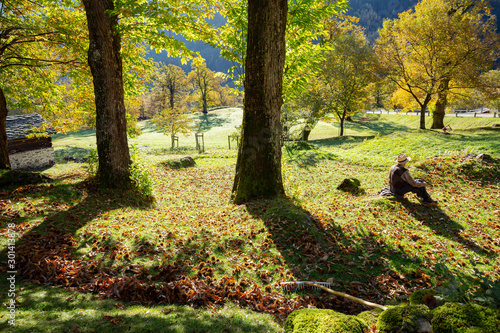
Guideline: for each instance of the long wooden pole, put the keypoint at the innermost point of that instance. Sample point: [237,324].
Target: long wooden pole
[352,298]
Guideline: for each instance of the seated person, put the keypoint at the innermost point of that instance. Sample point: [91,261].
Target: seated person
[446,128]
[401,182]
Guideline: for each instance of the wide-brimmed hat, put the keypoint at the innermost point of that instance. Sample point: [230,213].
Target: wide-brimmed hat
[402,158]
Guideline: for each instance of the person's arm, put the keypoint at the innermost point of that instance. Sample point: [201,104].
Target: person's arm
[409,179]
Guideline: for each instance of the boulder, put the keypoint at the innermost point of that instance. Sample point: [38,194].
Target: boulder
[183,162]
[323,321]
[187,161]
[405,319]
[465,318]
[351,185]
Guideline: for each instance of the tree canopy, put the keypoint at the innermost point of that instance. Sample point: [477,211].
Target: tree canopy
[426,49]
[347,70]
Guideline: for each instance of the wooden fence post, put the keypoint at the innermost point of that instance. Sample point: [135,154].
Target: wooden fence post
[200,147]
[175,139]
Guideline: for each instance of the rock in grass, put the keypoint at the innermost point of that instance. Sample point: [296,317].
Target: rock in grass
[187,161]
[323,321]
[405,319]
[465,318]
[351,185]
[183,162]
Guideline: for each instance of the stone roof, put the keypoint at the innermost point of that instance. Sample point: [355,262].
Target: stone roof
[18,127]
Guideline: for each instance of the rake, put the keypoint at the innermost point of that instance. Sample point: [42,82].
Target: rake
[303,285]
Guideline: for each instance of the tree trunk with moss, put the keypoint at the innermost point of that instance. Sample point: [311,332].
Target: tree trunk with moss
[105,62]
[4,152]
[258,168]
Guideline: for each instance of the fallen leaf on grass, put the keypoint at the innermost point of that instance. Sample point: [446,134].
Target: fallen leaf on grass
[120,306]
[113,320]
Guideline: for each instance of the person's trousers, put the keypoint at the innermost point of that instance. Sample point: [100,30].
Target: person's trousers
[420,191]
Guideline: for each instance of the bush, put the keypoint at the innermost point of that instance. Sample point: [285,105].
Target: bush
[139,174]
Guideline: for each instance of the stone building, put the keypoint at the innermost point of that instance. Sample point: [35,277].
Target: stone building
[29,153]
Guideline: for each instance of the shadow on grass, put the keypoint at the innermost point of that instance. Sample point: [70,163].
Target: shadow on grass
[304,154]
[64,155]
[382,128]
[359,262]
[344,141]
[489,136]
[317,249]
[206,122]
[50,309]
[41,251]
[443,225]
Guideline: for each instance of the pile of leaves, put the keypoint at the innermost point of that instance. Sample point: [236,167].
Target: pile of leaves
[46,260]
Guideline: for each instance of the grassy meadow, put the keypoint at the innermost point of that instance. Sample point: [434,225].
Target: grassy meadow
[95,261]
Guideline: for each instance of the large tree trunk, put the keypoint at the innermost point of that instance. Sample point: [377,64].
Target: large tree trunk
[205,104]
[258,168]
[423,108]
[4,152]
[106,65]
[440,111]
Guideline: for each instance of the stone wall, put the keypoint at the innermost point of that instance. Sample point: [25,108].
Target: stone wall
[33,159]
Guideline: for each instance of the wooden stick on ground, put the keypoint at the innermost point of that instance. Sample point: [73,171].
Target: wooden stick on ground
[352,298]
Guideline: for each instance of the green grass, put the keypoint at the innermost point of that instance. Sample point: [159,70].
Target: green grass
[374,248]
[49,309]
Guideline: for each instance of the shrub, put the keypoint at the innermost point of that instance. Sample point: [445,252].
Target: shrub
[139,174]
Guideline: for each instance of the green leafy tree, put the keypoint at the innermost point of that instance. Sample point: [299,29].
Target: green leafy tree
[204,82]
[31,36]
[105,61]
[347,70]
[152,21]
[258,169]
[173,121]
[303,113]
[44,63]
[305,28]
